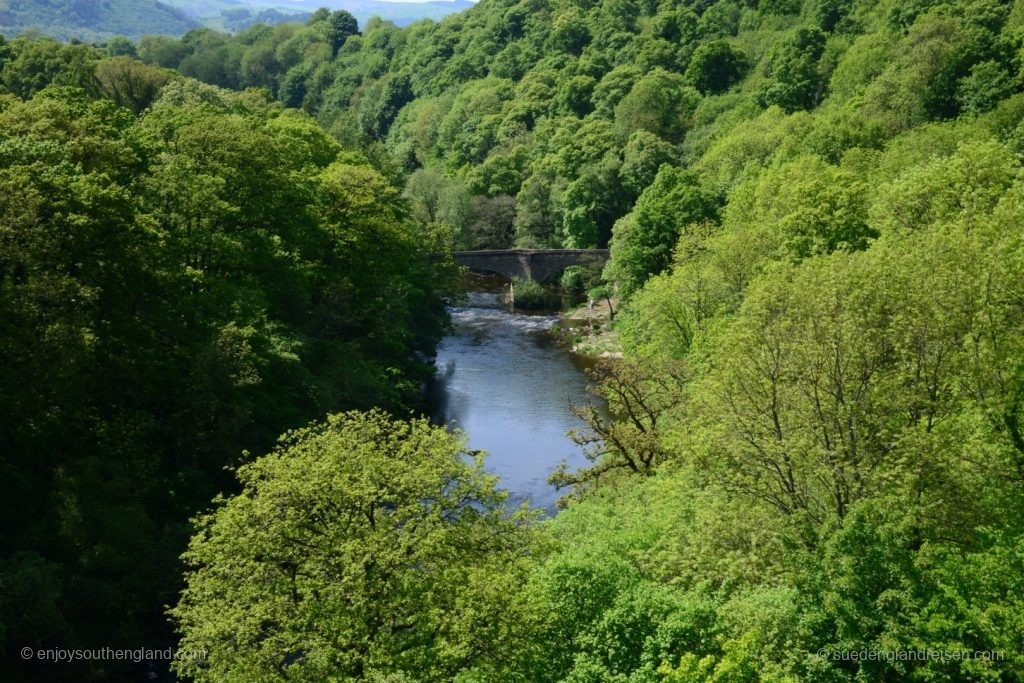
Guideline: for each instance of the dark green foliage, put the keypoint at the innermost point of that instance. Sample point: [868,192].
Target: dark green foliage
[813,439]
[570,32]
[340,25]
[720,20]
[780,7]
[119,46]
[177,288]
[987,84]
[828,14]
[715,66]
[643,155]
[642,241]
[382,104]
[293,88]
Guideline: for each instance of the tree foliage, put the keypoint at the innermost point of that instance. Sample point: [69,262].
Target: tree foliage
[177,286]
[361,547]
[813,443]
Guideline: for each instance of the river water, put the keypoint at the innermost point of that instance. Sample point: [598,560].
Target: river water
[504,381]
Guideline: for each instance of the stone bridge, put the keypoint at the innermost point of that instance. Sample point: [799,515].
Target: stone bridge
[538,265]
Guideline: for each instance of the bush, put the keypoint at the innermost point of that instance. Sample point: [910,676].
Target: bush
[529,294]
[578,279]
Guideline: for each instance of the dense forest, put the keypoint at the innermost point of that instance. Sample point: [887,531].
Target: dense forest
[185,274]
[92,19]
[813,465]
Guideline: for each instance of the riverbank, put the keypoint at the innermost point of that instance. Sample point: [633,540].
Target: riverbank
[589,331]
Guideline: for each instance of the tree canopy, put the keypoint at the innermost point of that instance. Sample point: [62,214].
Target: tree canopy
[813,446]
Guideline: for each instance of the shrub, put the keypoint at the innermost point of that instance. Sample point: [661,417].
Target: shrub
[529,294]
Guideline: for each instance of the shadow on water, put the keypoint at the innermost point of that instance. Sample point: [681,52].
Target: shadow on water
[504,380]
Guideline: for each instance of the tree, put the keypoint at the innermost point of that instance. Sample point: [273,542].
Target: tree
[574,95]
[721,20]
[642,395]
[537,216]
[209,262]
[829,13]
[119,46]
[360,547]
[340,26]
[643,155]
[715,67]
[130,83]
[660,103]
[987,84]
[569,32]
[642,242]
[34,64]
[796,81]
[293,88]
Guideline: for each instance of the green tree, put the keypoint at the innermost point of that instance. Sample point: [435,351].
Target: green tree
[130,83]
[796,80]
[987,84]
[569,32]
[643,241]
[715,67]
[386,530]
[660,103]
[643,155]
[340,25]
[119,46]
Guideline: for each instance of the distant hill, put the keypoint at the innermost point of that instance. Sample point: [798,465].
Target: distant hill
[97,20]
[234,15]
[92,19]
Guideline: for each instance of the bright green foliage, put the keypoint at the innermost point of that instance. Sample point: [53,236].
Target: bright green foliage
[497,89]
[642,242]
[659,103]
[796,80]
[360,547]
[814,443]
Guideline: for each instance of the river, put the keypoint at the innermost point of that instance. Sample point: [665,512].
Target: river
[504,381]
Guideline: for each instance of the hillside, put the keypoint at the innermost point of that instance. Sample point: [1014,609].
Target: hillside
[485,103]
[237,14]
[97,20]
[92,20]
[813,209]
[812,463]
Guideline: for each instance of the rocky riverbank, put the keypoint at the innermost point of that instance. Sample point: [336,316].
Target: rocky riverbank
[589,331]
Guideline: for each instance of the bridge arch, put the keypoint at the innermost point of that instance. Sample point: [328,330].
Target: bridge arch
[539,265]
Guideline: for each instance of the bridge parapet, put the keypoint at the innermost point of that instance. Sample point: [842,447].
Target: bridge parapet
[538,265]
